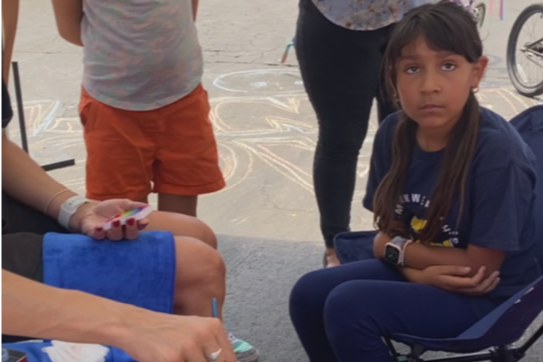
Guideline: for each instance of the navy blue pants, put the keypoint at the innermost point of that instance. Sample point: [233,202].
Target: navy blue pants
[341,314]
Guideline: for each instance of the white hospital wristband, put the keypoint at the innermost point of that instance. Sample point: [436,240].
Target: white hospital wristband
[69,208]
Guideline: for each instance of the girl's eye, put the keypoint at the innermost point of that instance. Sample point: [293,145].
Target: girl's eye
[412,70]
[449,66]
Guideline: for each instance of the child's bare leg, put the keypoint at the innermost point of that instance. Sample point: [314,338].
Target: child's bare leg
[182,225]
[176,203]
[200,277]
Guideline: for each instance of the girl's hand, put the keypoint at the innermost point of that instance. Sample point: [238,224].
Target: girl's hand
[90,219]
[454,279]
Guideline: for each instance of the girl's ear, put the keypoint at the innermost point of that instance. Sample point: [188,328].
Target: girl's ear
[479,70]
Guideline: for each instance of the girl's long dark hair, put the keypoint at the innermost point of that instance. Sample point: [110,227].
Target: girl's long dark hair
[444,26]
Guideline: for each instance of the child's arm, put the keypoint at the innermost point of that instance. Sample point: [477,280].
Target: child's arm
[194,8]
[454,279]
[68,14]
[420,257]
[501,215]
[10,15]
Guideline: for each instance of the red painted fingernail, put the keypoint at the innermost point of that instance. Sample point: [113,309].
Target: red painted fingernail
[116,223]
[130,222]
[99,228]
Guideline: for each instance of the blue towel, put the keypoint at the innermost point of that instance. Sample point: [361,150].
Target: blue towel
[34,352]
[139,272]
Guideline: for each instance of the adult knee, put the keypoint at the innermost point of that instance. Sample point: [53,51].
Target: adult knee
[205,266]
[208,236]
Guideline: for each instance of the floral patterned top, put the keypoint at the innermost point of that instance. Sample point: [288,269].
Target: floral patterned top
[366,14]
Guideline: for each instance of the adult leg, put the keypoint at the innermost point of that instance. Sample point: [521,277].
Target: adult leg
[309,295]
[340,69]
[20,218]
[200,277]
[359,313]
[386,104]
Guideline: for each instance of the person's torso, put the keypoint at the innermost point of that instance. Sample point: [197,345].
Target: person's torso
[140,54]
[520,267]
[366,14]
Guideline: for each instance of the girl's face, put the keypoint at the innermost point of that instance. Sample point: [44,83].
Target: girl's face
[433,86]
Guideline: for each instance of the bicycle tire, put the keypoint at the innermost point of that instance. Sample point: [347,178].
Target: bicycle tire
[512,69]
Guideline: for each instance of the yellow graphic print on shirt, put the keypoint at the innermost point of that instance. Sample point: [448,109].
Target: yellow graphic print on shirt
[417,225]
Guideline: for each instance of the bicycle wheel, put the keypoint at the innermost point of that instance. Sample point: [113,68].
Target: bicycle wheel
[524,56]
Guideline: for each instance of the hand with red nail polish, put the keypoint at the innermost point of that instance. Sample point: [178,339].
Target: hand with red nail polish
[131,231]
[90,219]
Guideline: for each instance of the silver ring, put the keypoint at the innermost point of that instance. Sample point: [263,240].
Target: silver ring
[215,355]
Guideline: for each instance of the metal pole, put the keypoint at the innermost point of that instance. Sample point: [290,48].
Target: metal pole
[20,106]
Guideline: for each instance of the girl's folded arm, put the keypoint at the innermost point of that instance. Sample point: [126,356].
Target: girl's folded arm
[419,256]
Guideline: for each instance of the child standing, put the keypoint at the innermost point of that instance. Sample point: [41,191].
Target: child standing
[143,108]
[452,189]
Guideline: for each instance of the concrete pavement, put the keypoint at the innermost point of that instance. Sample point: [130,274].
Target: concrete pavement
[266,219]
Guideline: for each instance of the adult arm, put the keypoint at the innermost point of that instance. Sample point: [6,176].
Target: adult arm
[35,310]
[10,15]
[68,14]
[40,311]
[24,180]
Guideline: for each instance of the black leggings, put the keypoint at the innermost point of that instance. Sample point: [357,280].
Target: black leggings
[341,70]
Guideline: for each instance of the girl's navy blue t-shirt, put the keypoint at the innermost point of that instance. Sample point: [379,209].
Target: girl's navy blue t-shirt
[499,200]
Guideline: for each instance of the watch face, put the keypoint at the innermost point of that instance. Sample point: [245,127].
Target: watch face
[392,255]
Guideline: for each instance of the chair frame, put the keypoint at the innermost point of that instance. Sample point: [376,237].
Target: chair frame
[507,353]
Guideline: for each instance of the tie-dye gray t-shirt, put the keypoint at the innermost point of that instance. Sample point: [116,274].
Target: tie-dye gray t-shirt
[140,54]
[366,14]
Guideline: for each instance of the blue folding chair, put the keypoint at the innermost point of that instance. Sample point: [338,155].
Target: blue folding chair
[506,324]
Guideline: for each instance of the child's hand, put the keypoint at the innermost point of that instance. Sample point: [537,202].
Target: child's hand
[454,279]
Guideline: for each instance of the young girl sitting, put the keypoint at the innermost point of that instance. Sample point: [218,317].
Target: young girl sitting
[452,190]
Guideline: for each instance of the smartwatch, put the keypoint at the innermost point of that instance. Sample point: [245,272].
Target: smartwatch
[395,250]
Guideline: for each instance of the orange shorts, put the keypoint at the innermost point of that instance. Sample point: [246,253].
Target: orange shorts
[133,153]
